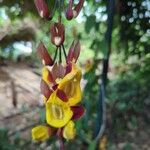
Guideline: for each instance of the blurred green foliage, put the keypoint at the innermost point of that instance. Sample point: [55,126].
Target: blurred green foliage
[4,140]
[127,92]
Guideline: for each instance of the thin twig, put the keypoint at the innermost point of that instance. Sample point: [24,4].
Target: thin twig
[59,131]
[55,56]
[62,147]
[64,52]
[60,59]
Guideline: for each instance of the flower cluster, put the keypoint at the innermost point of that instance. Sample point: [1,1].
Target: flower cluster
[47,12]
[60,86]
[60,83]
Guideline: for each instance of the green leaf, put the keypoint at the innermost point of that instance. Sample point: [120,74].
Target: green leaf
[90,23]
[50,4]
[92,145]
[101,46]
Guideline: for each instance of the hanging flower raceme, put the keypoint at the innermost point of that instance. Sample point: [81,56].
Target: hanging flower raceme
[61,78]
[46,8]
[60,86]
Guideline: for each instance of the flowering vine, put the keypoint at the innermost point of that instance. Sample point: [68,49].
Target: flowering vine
[60,83]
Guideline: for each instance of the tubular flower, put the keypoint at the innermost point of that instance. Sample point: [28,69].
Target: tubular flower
[58,113]
[60,83]
[69,131]
[41,133]
[70,84]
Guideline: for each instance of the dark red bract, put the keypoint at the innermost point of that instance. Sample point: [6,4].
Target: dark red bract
[57,31]
[43,9]
[44,55]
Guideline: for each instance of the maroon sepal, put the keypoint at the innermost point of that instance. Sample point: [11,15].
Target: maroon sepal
[50,77]
[74,52]
[78,8]
[44,55]
[57,30]
[61,94]
[42,8]
[55,87]
[78,112]
[69,11]
[77,50]
[45,90]
[68,68]
[58,71]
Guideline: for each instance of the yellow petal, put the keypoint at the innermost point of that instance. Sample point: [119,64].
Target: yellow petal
[70,84]
[58,113]
[40,133]
[45,72]
[69,131]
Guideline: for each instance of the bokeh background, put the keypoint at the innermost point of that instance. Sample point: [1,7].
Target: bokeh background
[115,39]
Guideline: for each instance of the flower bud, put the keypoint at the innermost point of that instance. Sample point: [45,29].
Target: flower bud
[42,8]
[78,8]
[69,12]
[41,133]
[74,52]
[69,131]
[57,31]
[44,55]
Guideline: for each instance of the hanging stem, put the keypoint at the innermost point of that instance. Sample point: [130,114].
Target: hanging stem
[60,10]
[60,59]
[64,52]
[62,147]
[55,56]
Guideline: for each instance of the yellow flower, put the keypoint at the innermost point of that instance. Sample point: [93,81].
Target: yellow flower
[45,73]
[70,84]
[69,131]
[40,133]
[58,113]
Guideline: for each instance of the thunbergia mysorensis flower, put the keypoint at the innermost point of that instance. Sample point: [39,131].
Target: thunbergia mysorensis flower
[60,83]
[73,12]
